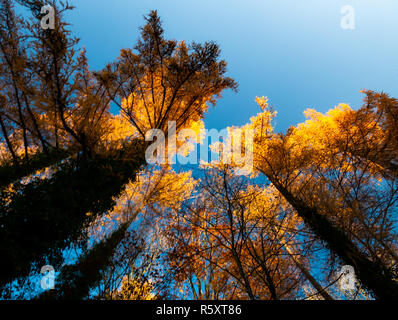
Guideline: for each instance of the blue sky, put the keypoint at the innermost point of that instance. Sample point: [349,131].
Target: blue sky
[294,52]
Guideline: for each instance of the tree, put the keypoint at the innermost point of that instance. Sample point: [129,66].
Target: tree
[323,182]
[71,106]
[228,242]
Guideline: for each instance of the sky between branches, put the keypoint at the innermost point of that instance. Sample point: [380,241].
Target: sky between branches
[294,52]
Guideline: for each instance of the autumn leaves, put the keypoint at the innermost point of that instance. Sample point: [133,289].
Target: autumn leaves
[247,227]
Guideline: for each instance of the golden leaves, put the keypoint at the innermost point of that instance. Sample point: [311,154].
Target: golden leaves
[157,189]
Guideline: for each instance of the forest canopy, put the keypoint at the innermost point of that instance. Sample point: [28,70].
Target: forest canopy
[78,194]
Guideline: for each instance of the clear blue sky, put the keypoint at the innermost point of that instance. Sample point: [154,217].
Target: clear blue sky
[294,52]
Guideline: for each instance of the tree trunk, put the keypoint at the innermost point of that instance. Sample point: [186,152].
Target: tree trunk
[371,274]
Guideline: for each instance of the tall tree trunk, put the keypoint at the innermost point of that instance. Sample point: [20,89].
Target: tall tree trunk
[307,274]
[45,215]
[9,145]
[76,280]
[371,274]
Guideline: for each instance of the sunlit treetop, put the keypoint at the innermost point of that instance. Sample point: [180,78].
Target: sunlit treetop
[165,80]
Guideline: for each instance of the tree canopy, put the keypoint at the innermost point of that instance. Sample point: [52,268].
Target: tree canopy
[77,192]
